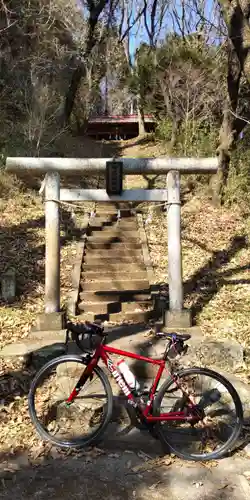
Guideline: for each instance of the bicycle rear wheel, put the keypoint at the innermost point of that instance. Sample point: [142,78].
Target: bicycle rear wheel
[76,425]
[218,406]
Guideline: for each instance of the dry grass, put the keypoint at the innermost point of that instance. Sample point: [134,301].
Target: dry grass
[145,147]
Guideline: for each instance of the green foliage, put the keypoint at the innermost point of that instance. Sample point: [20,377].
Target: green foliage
[181,83]
[164,130]
[193,138]
[197,139]
[141,79]
[238,185]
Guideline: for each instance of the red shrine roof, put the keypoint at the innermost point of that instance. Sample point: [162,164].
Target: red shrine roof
[120,119]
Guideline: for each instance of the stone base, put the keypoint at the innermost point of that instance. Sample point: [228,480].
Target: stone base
[178,319]
[50,321]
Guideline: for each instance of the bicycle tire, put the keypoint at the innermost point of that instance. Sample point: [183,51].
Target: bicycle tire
[229,444]
[44,434]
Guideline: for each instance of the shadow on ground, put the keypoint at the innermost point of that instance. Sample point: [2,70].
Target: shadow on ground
[22,250]
[20,247]
[75,477]
[118,475]
[207,281]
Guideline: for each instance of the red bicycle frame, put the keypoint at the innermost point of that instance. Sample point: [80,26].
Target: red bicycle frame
[145,412]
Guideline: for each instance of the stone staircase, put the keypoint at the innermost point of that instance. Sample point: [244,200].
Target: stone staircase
[114,284]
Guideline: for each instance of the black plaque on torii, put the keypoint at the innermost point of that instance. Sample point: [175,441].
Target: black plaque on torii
[114,177]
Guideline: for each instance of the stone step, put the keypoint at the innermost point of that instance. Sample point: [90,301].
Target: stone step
[111,211]
[112,244]
[121,205]
[98,266]
[108,285]
[136,316]
[101,204]
[112,233]
[102,218]
[114,307]
[106,225]
[111,203]
[114,274]
[104,256]
[48,334]
[115,296]
[227,355]
[35,342]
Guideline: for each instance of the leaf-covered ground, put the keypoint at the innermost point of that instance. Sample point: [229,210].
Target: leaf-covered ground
[215,255]
[22,248]
[216,258]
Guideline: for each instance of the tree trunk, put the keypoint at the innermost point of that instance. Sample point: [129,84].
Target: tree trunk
[236,17]
[95,10]
[106,96]
[224,150]
[72,91]
[141,120]
[176,124]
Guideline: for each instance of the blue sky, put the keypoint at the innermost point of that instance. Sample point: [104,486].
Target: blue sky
[168,24]
[137,37]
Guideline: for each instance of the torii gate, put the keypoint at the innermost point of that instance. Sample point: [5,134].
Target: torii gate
[53,168]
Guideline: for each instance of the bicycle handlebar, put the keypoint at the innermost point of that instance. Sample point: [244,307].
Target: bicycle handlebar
[87,327]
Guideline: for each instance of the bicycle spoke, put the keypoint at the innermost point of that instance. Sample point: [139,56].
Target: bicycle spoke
[215,412]
[69,424]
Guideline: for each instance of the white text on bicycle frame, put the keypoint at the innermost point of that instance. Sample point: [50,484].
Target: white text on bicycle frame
[118,378]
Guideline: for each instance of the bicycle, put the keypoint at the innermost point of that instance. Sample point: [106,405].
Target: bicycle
[189,412]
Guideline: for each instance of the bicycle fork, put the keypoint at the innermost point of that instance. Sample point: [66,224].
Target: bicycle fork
[82,380]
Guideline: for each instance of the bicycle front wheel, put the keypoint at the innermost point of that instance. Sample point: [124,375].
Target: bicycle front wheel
[82,422]
[217,410]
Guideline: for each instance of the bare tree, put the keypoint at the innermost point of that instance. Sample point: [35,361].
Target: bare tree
[189,77]
[128,22]
[36,45]
[95,9]
[103,17]
[228,24]
[236,16]
[154,16]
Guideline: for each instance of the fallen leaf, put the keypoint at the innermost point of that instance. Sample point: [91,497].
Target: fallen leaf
[154,486]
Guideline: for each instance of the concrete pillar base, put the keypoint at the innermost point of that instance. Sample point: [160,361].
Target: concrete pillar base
[178,319]
[50,321]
